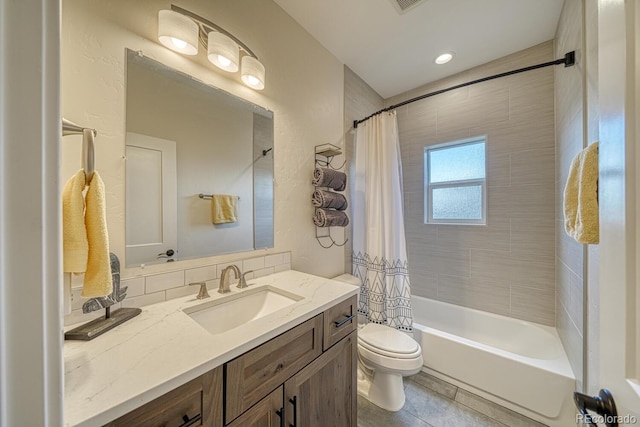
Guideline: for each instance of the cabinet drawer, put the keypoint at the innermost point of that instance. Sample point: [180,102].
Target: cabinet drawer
[195,400]
[339,321]
[255,374]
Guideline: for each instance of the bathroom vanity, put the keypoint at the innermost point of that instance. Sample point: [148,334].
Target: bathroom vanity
[294,366]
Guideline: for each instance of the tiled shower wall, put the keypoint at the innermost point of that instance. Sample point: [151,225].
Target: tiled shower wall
[576,264]
[507,266]
[146,289]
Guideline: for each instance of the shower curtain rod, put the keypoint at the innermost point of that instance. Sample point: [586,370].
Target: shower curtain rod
[568,61]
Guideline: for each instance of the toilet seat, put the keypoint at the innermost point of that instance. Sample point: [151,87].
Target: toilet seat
[385,341]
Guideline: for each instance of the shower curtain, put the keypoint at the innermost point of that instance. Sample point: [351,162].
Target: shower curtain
[379,249]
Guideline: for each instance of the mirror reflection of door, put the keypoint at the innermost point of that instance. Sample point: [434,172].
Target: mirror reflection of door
[151,193]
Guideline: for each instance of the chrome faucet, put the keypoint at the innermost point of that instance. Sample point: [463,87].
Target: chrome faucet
[224,278]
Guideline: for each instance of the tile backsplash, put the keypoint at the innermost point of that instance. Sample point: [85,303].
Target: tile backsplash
[153,288]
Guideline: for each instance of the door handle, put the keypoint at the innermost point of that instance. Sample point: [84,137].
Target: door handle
[168,254]
[603,405]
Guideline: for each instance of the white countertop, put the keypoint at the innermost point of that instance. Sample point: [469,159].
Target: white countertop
[163,348]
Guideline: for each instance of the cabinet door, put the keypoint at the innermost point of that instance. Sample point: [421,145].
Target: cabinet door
[266,413]
[324,392]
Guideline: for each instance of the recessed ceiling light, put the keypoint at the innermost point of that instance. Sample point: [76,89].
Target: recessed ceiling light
[444,58]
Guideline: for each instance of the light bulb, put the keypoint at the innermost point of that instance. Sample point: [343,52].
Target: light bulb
[224,61]
[253,81]
[180,44]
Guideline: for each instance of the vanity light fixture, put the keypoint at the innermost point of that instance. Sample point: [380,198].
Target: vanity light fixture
[444,58]
[224,50]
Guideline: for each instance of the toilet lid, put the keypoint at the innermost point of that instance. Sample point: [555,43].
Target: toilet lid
[383,339]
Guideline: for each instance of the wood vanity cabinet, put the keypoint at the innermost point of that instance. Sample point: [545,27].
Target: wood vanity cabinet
[305,377]
[196,403]
[319,386]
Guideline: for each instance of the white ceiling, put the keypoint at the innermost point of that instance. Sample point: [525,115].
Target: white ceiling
[394,52]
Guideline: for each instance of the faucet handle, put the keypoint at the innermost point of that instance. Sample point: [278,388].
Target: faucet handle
[242,283]
[203,292]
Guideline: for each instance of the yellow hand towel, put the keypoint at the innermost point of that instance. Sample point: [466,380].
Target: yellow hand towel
[224,208]
[97,279]
[75,247]
[581,217]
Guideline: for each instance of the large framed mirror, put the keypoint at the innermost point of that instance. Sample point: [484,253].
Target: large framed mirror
[187,141]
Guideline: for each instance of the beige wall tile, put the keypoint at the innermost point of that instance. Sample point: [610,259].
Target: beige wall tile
[537,166]
[490,296]
[534,305]
[533,237]
[201,274]
[494,236]
[161,282]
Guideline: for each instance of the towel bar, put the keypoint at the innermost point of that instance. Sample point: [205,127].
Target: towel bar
[88,153]
[208,196]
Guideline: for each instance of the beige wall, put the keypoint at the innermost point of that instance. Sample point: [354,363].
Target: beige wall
[570,139]
[304,89]
[507,266]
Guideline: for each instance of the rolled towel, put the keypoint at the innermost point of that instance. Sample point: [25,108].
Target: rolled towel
[325,177]
[581,220]
[330,218]
[329,199]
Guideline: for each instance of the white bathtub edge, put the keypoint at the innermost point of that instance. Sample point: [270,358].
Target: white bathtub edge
[567,417]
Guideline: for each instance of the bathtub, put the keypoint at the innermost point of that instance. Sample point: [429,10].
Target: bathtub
[517,364]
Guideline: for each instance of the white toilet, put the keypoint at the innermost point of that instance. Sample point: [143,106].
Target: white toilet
[385,355]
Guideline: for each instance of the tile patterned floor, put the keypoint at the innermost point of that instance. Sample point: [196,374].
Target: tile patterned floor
[425,407]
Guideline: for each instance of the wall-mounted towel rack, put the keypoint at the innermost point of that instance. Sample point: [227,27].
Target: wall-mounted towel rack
[88,153]
[208,196]
[324,155]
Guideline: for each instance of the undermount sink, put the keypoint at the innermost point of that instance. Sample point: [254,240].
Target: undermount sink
[221,315]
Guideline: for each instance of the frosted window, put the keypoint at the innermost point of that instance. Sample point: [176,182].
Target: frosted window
[455,182]
[457,203]
[457,163]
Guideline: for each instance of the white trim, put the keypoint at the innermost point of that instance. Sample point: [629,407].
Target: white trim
[31,371]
